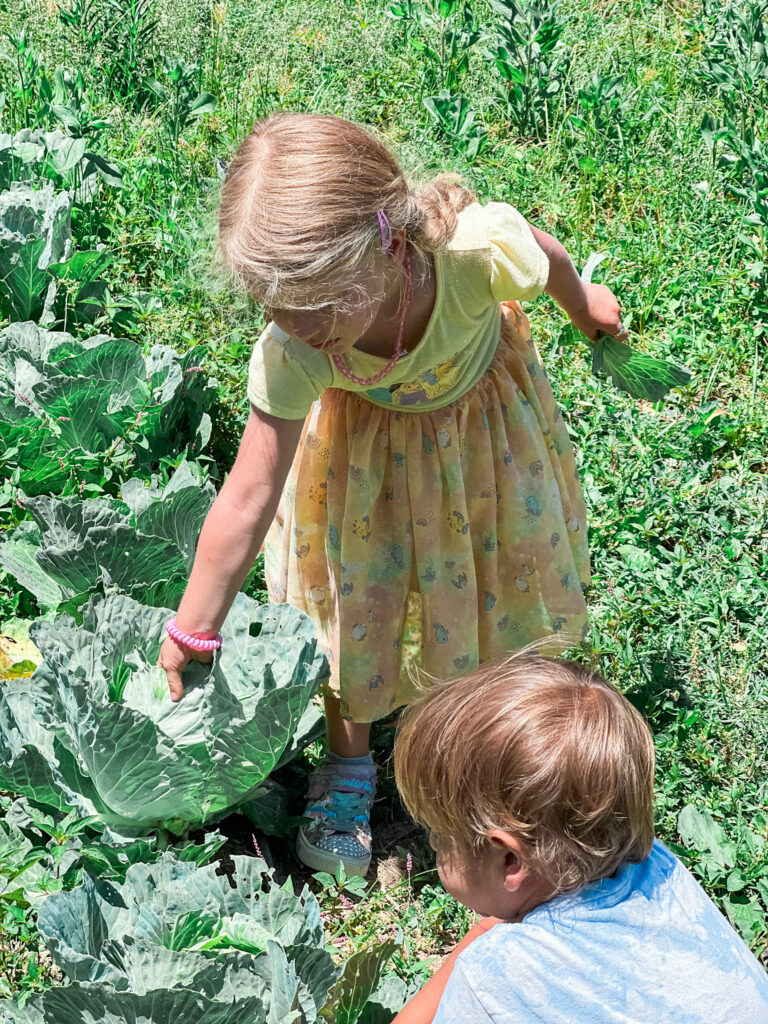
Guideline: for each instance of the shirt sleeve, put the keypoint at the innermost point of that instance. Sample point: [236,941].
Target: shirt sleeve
[459,1003]
[285,376]
[519,266]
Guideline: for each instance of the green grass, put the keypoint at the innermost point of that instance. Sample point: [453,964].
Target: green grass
[677,494]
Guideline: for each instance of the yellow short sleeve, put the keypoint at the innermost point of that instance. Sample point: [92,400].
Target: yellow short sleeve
[519,267]
[285,376]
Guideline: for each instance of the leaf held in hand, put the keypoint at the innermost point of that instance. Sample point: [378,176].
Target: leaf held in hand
[639,375]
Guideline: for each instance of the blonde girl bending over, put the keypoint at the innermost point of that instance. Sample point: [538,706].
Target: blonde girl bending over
[404,464]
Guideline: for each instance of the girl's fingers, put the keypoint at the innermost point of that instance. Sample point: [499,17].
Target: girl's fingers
[173,663]
[174,683]
[173,666]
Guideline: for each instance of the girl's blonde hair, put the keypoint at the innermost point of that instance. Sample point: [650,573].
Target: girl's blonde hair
[298,216]
[545,750]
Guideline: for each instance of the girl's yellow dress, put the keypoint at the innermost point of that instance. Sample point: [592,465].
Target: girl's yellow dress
[433,520]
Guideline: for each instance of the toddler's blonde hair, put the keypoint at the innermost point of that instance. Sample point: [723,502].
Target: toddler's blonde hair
[298,215]
[545,750]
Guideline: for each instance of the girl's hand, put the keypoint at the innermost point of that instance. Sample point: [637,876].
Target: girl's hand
[174,659]
[600,313]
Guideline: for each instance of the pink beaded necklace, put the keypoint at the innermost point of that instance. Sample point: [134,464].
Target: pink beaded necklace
[342,367]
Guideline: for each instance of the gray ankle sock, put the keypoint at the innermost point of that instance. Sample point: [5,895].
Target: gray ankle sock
[338,759]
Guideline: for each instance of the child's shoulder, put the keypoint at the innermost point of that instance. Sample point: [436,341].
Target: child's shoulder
[670,933]
[285,376]
[471,231]
[481,225]
[655,891]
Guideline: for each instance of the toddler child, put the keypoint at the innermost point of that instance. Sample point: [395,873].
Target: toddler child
[535,780]
[404,463]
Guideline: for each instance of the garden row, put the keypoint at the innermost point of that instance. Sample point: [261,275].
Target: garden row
[102,503]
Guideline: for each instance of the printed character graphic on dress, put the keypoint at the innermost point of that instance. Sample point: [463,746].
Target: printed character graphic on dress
[427,387]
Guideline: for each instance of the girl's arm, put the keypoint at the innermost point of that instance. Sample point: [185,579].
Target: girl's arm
[423,1007]
[232,535]
[591,307]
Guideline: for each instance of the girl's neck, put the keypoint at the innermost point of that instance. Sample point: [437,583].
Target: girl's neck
[379,339]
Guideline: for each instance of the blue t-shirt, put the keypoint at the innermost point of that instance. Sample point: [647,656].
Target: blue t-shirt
[646,946]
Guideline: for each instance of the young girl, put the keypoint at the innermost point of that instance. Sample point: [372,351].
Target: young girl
[431,515]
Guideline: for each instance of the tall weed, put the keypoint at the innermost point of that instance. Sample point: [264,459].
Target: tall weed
[531,58]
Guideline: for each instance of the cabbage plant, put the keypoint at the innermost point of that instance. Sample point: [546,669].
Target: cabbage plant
[44,853]
[171,925]
[76,417]
[94,729]
[76,1005]
[70,548]
[35,154]
[34,235]
[240,942]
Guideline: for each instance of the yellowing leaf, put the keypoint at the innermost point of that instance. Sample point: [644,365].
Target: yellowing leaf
[18,655]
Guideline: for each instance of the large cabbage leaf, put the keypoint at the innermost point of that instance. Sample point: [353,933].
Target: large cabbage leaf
[94,729]
[143,546]
[640,375]
[76,1004]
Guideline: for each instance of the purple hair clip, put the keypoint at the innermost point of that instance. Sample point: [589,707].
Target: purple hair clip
[386,231]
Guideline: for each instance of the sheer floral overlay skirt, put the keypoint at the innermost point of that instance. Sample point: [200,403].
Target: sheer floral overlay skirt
[433,540]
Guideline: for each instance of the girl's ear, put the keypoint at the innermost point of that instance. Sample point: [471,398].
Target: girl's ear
[509,854]
[397,246]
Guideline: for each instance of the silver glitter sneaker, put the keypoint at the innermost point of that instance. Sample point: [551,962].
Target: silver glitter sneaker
[339,828]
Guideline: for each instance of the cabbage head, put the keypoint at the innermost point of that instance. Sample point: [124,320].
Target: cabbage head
[173,926]
[94,729]
[141,951]
[78,416]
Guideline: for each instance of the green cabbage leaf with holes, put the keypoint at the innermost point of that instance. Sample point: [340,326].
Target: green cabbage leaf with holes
[94,730]
[176,944]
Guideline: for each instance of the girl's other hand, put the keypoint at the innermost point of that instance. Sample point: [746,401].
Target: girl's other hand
[174,659]
[600,313]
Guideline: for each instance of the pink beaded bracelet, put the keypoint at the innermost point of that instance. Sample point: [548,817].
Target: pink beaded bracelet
[195,642]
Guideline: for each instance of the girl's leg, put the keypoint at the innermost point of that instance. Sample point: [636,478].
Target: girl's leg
[345,739]
[341,794]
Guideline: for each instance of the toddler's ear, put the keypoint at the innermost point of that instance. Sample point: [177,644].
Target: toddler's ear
[508,851]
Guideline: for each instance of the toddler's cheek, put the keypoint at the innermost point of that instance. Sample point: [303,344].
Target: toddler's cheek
[446,880]
[451,875]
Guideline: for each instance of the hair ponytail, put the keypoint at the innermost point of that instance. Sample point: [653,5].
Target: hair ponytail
[439,202]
